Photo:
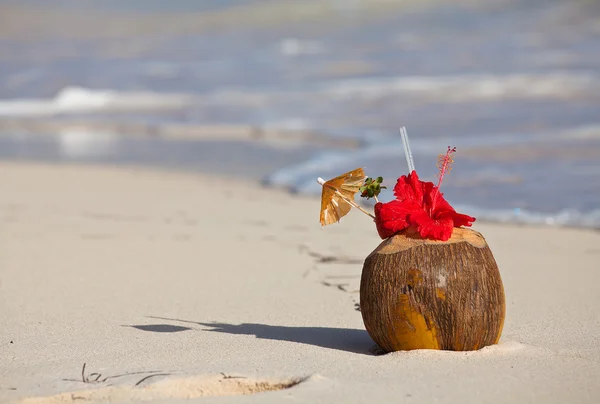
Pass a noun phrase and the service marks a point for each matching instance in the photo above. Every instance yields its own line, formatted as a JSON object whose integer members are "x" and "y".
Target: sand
{"x": 171, "y": 286}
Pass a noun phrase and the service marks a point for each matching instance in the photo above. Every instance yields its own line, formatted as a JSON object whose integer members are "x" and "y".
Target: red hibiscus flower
{"x": 391, "y": 217}
{"x": 420, "y": 204}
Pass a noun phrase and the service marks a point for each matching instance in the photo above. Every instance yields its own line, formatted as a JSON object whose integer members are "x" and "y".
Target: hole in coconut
{"x": 172, "y": 388}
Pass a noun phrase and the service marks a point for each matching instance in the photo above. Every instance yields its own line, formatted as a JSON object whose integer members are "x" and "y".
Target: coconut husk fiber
{"x": 417, "y": 293}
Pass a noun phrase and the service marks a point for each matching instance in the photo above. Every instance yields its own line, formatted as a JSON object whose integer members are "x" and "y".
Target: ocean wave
{"x": 84, "y": 100}
{"x": 502, "y": 192}
{"x": 461, "y": 88}
{"x": 563, "y": 217}
{"x": 297, "y": 178}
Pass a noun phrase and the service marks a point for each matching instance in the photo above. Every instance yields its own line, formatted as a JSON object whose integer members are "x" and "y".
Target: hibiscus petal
{"x": 462, "y": 220}
{"x": 441, "y": 207}
{"x": 390, "y": 217}
{"x": 411, "y": 188}
{"x": 418, "y": 187}
{"x": 443, "y": 210}
{"x": 437, "y": 229}
{"x": 403, "y": 189}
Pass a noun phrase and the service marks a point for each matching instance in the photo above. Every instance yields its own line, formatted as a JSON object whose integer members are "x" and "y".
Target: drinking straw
{"x": 407, "y": 152}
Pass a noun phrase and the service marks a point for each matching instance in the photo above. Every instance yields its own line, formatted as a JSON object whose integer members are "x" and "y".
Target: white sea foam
{"x": 288, "y": 177}
{"x": 564, "y": 217}
{"x": 471, "y": 87}
{"x": 291, "y": 124}
{"x": 81, "y": 143}
{"x": 297, "y": 47}
{"x": 79, "y": 100}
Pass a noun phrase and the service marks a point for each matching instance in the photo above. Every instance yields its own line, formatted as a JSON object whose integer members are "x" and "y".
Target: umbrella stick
{"x": 351, "y": 202}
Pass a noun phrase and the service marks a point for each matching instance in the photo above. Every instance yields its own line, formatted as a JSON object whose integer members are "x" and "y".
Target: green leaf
{"x": 371, "y": 188}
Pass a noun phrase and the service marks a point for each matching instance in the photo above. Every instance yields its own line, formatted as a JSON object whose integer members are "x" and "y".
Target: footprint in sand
{"x": 171, "y": 388}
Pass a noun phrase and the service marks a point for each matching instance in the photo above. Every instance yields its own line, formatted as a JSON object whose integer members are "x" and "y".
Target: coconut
{"x": 418, "y": 293}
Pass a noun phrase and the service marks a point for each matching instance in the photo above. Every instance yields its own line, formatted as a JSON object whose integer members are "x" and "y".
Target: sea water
{"x": 514, "y": 85}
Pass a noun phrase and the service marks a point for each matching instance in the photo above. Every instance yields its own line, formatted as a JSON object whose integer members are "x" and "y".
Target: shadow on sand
{"x": 342, "y": 339}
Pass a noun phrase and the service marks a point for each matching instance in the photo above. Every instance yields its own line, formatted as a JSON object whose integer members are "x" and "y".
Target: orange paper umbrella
{"x": 337, "y": 197}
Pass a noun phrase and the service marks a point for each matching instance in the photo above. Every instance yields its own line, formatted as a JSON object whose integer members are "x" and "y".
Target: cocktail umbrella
{"x": 337, "y": 197}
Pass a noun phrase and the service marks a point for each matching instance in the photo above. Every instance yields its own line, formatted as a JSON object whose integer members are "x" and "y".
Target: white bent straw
{"x": 351, "y": 202}
{"x": 407, "y": 152}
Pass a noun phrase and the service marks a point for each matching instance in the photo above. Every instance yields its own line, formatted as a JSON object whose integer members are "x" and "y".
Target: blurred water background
{"x": 285, "y": 91}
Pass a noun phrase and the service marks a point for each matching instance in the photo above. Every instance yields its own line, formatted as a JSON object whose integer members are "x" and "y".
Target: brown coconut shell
{"x": 417, "y": 293}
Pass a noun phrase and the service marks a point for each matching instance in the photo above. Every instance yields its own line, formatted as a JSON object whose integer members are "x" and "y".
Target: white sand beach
{"x": 173, "y": 286}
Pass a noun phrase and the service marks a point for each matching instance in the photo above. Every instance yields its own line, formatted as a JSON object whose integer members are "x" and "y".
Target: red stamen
{"x": 445, "y": 165}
